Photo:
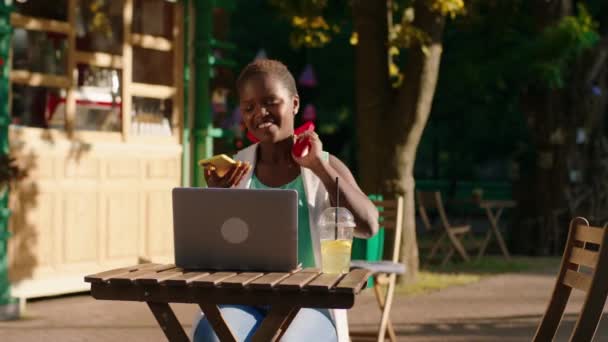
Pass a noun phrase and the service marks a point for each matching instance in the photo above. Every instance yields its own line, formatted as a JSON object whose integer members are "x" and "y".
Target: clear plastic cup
{"x": 336, "y": 239}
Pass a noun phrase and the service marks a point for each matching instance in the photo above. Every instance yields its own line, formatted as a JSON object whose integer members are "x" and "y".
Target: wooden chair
{"x": 385, "y": 272}
{"x": 585, "y": 249}
{"x": 432, "y": 200}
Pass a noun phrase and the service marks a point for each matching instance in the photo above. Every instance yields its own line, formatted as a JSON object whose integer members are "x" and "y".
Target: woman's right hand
{"x": 228, "y": 180}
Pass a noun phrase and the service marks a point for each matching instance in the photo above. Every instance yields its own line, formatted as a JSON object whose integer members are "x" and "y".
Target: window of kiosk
{"x": 34, "y": 107}
{"x": 153, "y": 67}
{"x": 44, "y": 9}
{"x": 98, "y": 102}
{"x": 40, "y": 52}
{"x": 153, "y": 49}
{"x": 151, "y": 117}
{"x": 100, "y": 26}
{"x": 153, "y": 18}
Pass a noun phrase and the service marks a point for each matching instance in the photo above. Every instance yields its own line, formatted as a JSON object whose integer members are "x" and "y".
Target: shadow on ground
{"x": 508, "y": 328}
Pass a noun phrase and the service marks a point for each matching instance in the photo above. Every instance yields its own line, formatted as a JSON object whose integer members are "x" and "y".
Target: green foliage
{"x": 598, "y": 9}
{"x": 559, "y": 45}
{"x": 520, "y": 55}
{"x": 490, "y": 55}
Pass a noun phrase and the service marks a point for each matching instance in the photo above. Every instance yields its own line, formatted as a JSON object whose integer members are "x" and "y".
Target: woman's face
{"x": 268, "y": 108}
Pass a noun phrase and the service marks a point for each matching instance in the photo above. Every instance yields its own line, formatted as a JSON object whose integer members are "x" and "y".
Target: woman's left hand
{"x": 314, "y": 157}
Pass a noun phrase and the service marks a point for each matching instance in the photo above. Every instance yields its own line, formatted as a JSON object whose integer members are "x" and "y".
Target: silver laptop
{"x": 235, "y": 229}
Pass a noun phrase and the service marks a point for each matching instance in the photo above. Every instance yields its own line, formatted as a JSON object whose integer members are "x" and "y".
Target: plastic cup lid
{"x": 345, "y": 217}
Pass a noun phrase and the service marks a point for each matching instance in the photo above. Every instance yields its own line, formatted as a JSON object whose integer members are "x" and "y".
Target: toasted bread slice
{"x": 221, "y": 163}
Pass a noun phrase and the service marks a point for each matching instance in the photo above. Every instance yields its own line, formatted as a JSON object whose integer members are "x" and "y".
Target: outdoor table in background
{"x": 285, "y": 293}
{"x": 494, "y": 209}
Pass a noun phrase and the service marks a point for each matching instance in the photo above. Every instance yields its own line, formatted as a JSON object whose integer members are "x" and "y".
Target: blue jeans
{"x": 309, "y": 325}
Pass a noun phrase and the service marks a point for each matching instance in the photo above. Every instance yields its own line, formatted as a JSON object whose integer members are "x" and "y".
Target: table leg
{"x": 215, "y": 318}
{"x": 168, "y": 322}
{"x": 485, "y": 244}
{"x": 494, "y": 218}
{"x": 287, "y": 322}
{"x": 275, "y": 324}
{"x": 501, "y": 241}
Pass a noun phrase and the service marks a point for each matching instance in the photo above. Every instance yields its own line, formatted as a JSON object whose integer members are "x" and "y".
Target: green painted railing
{"x": 5, "y": 43}
{"x": 202, "y": 131}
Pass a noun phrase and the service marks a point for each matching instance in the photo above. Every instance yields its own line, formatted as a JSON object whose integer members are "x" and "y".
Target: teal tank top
{"x": 305, "y": 250}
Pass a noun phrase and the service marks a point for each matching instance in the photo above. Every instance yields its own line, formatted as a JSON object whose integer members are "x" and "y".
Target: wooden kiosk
{"x": 101, "y": 167}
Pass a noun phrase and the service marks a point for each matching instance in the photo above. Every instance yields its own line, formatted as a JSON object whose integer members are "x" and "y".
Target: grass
{"x": 431, "y": 281}
{"x": 498, "y": 265}
{"x": 435, "y": 278}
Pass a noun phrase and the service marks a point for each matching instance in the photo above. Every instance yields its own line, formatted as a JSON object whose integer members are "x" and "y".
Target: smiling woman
{"x": 269, "y": 102}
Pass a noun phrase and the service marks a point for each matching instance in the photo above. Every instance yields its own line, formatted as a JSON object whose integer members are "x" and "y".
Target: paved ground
{"x": 498, "y": 308}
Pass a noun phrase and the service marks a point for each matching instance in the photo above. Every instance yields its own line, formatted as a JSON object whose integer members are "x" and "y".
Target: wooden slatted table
{"x": 285, "y": 293}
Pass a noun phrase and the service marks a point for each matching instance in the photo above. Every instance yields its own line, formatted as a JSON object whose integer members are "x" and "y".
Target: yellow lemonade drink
{"x": 336, "y": 255}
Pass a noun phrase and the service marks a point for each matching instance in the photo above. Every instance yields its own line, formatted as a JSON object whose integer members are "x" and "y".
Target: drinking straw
{"x": 337, "y": 204}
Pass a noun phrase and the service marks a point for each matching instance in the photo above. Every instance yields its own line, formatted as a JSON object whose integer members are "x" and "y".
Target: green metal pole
{"x": 203, "y": 125}
{"x": 186, "y": 151}
{"x": 8, "y": 304}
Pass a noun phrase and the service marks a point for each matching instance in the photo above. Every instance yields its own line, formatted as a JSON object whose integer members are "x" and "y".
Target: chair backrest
{"x": 586, "y": 250}
{"x": 431, "y": 200}
{"x": 391, "y": 217}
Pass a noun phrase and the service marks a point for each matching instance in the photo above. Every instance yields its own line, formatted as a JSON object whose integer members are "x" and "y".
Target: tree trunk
{"x": 409, "y": 117}
{"x": 543, "y": 192}
{"x": 390, "y": 123}
{"x": 539, "y": 189}
{"x": 372, "y": 88}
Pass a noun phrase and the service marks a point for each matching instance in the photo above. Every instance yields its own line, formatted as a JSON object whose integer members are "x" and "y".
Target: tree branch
{"x": 600, "y": 60}
{"x": 416, "y": 94}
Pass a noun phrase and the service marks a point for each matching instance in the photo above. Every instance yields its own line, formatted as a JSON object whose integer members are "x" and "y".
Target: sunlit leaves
{"x": 450, "y": 8}
{"x": 354, "y": 38}
{"x": 311, "y": 31}
{"x": 310, "y": 28}
{"x": 406, "y": 35}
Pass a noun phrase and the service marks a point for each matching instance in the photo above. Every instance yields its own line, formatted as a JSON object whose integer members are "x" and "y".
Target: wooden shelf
{"x": 99, "y": 59}
{"x": 37, "y": 24}
{"x": 152, "y": 91}
{"x": 151, "y": 42}
{"x": 36, "y": 79}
